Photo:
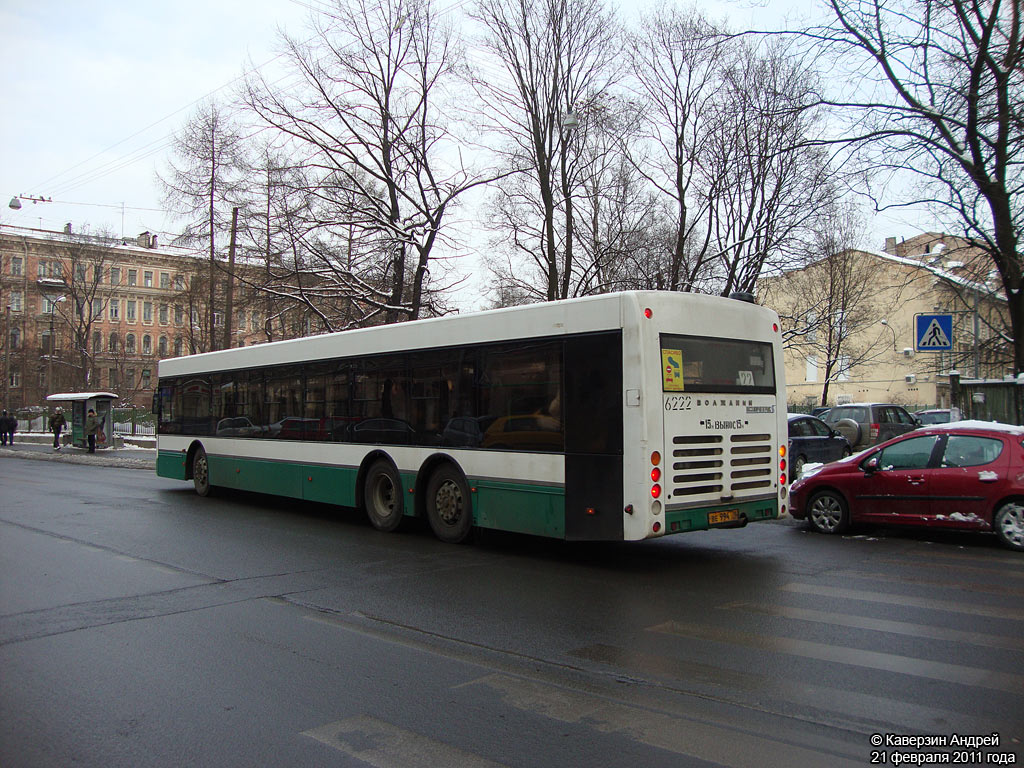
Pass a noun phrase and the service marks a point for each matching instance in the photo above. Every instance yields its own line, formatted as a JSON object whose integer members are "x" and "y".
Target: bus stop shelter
{"x": 79, "y": 404}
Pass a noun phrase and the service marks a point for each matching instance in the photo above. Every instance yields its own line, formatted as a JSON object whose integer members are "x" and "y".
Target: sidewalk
{"x": 39, "y": 447}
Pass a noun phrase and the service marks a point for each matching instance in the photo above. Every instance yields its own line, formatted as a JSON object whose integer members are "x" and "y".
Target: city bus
{"x": 623, "y": 416}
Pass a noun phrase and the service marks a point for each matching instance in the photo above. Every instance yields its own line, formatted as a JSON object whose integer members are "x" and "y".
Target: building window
{"x": 146, "y": 381}
{"x": 112, "y": 345}
{"x": 179, "y": 283}
{"x": 97, "y": 273}
{"x": 130, "y": 313}
{"x": 80, "y": 272}
{"x": 811, "y": 373}
{"x": 16, "y": 298}
{"x": 115, "y": 310}
{"x": 15, "y": 338}
{"x": 218, "y": 319}
{"x": 97, "y": 308}
{"x": 161, "y": 346}
{"x": 57, "y": 269}
{"x": 129, "y": 343}
{"x": 179, "y": 314}
{"x": 112, "y": 378}
{"x": 165, "y": 281}
{"x": 133, "y": 277}
{"x": 15, "y": 379}
{"x": 163, "y": 314}
{"x": 115, "y": 275}
{"x": 179, "y": 346}
{"x": 46, "y": 343}
{"x": 147, "y": 345}
{"x": 147, "y": 311}
{"x": 129, "y": 377}
{"x": 50, "y": 304}
{"x": 97, "y": 341}
{"x": 147, "y": 279}
{"x": 42, "y": 270}
{"x": 16, "y": 266}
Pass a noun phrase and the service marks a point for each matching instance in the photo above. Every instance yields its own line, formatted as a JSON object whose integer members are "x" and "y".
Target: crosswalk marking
{"x": 953, "y": 606}
{"x": 880, "y": 625}
{"x": 888, "y": 662}
{"x": 683, "y": 736}
{"x": 383, "y": 745}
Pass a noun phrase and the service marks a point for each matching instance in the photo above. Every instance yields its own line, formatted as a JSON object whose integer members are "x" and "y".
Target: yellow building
{"x": 849, "y": 323}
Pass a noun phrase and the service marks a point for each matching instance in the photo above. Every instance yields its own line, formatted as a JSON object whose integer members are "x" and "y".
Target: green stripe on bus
{"x": 696, "y": 518}
{"x": 518, "y": 507}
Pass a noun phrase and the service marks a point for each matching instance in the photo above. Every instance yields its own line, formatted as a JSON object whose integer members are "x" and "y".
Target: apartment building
{"x": 850, "y": 323}
{"x": 87, "y": 313}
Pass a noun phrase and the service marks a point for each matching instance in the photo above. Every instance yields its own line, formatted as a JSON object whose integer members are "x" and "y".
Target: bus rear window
{"x": 708, "y": 364}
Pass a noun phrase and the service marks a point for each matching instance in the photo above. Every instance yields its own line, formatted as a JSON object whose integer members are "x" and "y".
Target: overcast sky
{"x": 92, "y": 92}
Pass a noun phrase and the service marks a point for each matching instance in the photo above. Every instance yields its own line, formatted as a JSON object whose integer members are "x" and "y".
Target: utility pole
{"x": 229, "y": 300}
{"x": 7, "y": 356}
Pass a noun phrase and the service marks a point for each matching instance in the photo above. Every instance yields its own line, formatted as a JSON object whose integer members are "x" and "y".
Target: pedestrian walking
{"x": 8, "y": 424}
{"x": 92, "y": 426}
{"x": 57, "y": 424}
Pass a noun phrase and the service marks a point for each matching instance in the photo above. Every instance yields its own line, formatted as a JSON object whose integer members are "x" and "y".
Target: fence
{"x": 989, "y": 400}
{"x": 127, "y": 421}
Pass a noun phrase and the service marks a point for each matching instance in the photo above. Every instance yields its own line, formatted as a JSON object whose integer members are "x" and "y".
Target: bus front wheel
{"x": 201, "y": 472}
{"x": 449, "y": 505}
{"x": 382, "y": 494}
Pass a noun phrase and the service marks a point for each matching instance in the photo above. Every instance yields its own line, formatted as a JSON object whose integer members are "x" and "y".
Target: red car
{"x": 966, "y": 475}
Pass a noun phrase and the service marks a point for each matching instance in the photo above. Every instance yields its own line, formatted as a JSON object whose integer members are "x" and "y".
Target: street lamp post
{"x": 885, "y": 322}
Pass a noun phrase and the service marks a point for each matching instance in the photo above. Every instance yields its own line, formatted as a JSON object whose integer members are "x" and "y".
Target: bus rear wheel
{"x": 449, "y": 505}
{"x": 201, "y": 472}
{"x": 382, "y": 496}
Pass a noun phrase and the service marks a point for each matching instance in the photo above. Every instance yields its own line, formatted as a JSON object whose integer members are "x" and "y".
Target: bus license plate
{"x": 728, "y": 516}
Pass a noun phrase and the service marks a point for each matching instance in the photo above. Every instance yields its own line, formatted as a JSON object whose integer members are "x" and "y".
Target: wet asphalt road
{"x": 143, "y": 626}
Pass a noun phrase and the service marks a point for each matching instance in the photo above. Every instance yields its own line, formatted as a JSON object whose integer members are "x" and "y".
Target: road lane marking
{"x": 796, "y": 696}
{"x": 383, "y": 745}
{"x": 682, "y": 736}
{"x": 879, "y": 625}
{"x": 992, "y": 586}
{"x": 907, "y": 601}
{"x": 838, "y": 654}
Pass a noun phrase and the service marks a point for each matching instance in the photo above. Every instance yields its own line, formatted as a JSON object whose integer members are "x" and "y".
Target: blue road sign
{"x": 933, "y": 333}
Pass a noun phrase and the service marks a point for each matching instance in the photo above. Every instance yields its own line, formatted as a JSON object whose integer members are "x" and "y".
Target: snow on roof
{"x": 66, "y": 396}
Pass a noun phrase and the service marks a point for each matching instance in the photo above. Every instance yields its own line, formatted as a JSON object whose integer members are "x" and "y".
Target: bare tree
{"x": 556, "y": 57}
{"x": 829, "y": 307}
{"x": 676, "y": 60}
{"x": 942, "y": 99}
{"x": 365, "y": 113}
{"x": 205, "y": 184}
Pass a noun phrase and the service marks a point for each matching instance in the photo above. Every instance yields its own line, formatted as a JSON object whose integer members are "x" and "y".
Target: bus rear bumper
{"x": 735, "y": 515}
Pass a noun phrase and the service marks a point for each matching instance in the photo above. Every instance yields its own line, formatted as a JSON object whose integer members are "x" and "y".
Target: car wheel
{"x": 828, "y": 513}
{"x": 798, "y": 466}
{"x": 201, "y": 472}
{"x": 1009, "y": 525}
{"x": 382, "y": 496}
{"x": 449, "y": 505}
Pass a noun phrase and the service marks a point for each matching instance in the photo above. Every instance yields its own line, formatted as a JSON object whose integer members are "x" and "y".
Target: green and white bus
{"x": 624, "y": 416}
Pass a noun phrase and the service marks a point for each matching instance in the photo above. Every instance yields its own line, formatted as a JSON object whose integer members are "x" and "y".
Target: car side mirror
{"x": 871, "y": 465}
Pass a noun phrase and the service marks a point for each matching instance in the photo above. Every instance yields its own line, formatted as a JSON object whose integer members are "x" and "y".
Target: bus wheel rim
{"x": 200, "y": 470}
{"x": 448, "y": 502}
{"x": 384, "y": 494}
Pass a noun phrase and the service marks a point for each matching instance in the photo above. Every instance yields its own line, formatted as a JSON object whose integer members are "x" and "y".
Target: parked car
{"x": 938, "y": 416}
{"x": 813, "y": 441}
{"x": 966, "y": 475}
{"x": 820, "y": 411}
{"x": 868, "y": 424}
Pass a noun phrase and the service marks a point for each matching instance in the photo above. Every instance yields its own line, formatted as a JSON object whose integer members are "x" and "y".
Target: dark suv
{"x": 867, "y": 424}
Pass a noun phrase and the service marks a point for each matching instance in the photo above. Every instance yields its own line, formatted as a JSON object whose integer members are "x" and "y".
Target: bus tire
{"x": 382, "y": 496}
{"x": 201, "y": 472}
{"x": 449, "y": 505}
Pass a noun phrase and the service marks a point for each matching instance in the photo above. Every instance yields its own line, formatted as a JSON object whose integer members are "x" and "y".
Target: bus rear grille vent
{"x": 750, "y": 462}
{"x": 698, "y": 464}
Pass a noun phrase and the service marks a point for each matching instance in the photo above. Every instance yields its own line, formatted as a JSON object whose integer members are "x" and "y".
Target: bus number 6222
{"x": 678, "y": 403}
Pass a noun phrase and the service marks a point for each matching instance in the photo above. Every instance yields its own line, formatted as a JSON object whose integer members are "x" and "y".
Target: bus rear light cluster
{"x": 782, "y": 466}
{"x": 656, "y": 474}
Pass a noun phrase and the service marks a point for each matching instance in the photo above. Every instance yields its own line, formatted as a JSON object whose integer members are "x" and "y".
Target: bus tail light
{"x": 648, "y": 313}
{"x": 655, "y": 475}
{"x": 655, "y": 491}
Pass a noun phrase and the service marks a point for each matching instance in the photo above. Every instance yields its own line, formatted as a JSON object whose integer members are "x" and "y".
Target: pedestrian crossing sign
{"x": 933, "y": 333}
